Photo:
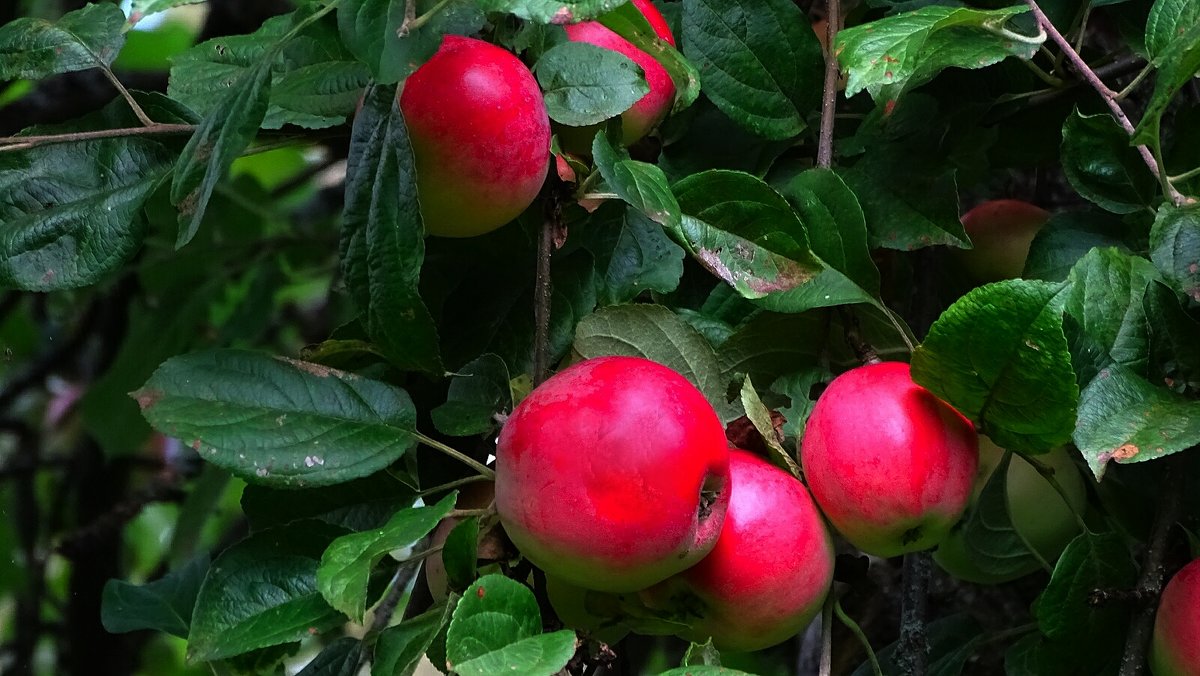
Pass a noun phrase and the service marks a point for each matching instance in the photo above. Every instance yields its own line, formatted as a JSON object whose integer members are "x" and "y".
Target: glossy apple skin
{"x": 480, "y": 137}
{"x": 771, "y": 569}
{"x": 1175, "y": 647}
{"x": 1037, "y": 511}
{"x": 651, "y": 108}
{"x": 890, "y": 464}
{"x": 599, "y": 473}
{"x": 1001, "y": 231}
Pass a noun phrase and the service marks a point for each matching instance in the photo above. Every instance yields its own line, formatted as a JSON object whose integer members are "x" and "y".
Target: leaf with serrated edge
{"x": 85, "y": 38}
{"x": 584, "y": 84}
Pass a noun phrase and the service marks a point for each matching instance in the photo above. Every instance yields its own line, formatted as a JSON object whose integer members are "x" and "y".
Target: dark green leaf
{"x": 316, "y": 95}
{"x": 632, "y": 253}
{"x": 551, "y": 11}
{"x": 263, "y": 592}
{"x": 627, "y": 21}
{"x": 1175, "y": 247}
{"x": 216, "y": 143}
{"x": 382, "y": 245}
{"x": 356, "y": 505}
{"x": 999, "y": 356}
{"x": 1067, "y": 237}
{"x": 1174, "y": 340}
{"x": 836, "y": 226}
{"x": 712, "y": 141}
{"x": 497, "y": 629}
{"x": 85, "y": 38}
{"x": 1102, "y": 166}
{"x": 477, "y": 393}
{"x": 1124, "y": 418}
{"x": 584, "y": 84}
{"x": 346, "y": 565}
{"x": 340, "y": 658}
{"x": 890, "y": 55}
{"x": 643, "y": 186}
{"x": 993, "y": 543}
{"x": 1168, "y": 21}
{"x": 906, "y": 209}
{"x": 400, "y": 648}
{"x": 371, "y": 29}
{"x": 1092, "y": 561}
{"x": 460, "y": 553}
{"x": 276, "y": 421}
{"x": 762, "y": 63}
{"x": 1179, "y": 62}
{"x": 163, "y": 605}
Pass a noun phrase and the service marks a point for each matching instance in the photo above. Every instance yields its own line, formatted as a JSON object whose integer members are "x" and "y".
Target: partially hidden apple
{"x": 769, "y": 573}
{"x": 1001, "y": 231}
{"x": 480, "y": 136}
{"x": 1175, "y": 646}
{"x": 1037, "y": 511}
{"x": 613, "y": 474}
{"x": 889, "y": 463}
{"x": 599, "y": 615}
{"x": 649, "y": 110}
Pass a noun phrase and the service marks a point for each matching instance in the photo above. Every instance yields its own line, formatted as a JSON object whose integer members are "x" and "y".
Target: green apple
{"x": 1001, "y": 231}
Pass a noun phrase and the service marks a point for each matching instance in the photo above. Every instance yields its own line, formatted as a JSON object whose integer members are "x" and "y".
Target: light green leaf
{"x": 584, "y": 84}
{"x": 497, "y": 629}
{"x": 551, "y": 11}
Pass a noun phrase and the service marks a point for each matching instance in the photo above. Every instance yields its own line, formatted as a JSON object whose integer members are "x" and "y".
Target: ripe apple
{"x": 1001, "y": 231}
{"x": 594, "y": 613}
{"x": 1037, "y": 511}
{"x": 890, "y": 464}
{"x": 651, "y": 108}
{"x": 613, "y": 474}
{"x": 770, "y": 571}
{"x": 480, "y": 137}
{"x": 472, "y": 496}
{"x": 1175, "y": 647}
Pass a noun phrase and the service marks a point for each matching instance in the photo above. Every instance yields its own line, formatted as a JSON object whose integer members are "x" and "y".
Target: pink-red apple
{"x": 480, "y": 136}
{"x": 1001, "y": 231}
{"x": 651, "y": 108}
{"x": 770, "y": 571}
{"x": 1038, "y": 513}
{"x": 1175, "y": 647}
{"x": 613, "y": 474}
{"x": 890, "y": 464}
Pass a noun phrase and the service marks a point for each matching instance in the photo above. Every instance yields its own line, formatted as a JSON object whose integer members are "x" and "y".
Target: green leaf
{"x": 906, "y": 209}
{"x": 140, "y": 9}
{"x": 1124, "y": 418}
{"x": 346, "y": 565}
{"x": 1105, "y": 303}
{"x": 1091, "y": 561}
{"x": 551, "y": 11}
{"x": 999, "y": 356}
{"x": 712, "y": 141}
{"x": 891, "y": 55}
{"x": 316, "y": 95}
{"x": 340, "y": 658}
{"x": 836, "y": 226}
{"x": 400, "y": 648}
{"x": 1175, "y": 247}
{"x": 627, "y": 21}
{"x": 162, "y": 605}
{"x": 358, "y": 505}
{"x": 263, "y": 592}
{"x": 216, "y": 143}
{"x": 656, "y": 333}
{"x": 798, "y": 387}
{"x": 1101, "y": 165}
{"x": 460, "y": 553}
{"x": 1067, "y": 237}
{"x": 371, "y": 30}
{"x": 1178, "y": 63}
{"x": 1174, "y": 340}
{"x": 382, "y": 243}
{"x": 632, "y": 253}
{"x": 85, "y": 38}
{"x": 643, "y": 186}
{"x": 1168, "y": 21}
{"x": 277, "y": 421}
{"x": 584, "y": 84}
{"x": 761, "y": 61}
{"x": 992, "y": 542}
{"x": 760, "y": 417}
{"x": 478, "y": 391}
{"x": 497, "y": 629}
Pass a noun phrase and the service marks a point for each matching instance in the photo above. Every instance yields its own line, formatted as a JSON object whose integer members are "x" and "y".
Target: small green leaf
{"x": 478, "y": 391}
{"x": 497, "y": 629}
{"x": 1124, "y": 418}
{"x": 460, "y": 553}
{"x": 584, "y": 84}
{"x": 999, "y": 356}
{"x": 1101, "y": 165}
{"x": 632, "y": 253}
{"x": 1175, "y": 247}
{"x": 628, "y": 21}
{"x": 382, "y": 243}
{"x": 276, "y": 421}
{"x": 85, "y": 38}
{"x": 400, "y": 648}
{"x": 551, "y": 11}
{"x": 760, "y": 417}
{"x": 346, "y": 565}
{"x": 162, "y": 605}
{"x": 1067, "y": 237}
{"x": 836, "y": 225}
{"x": 262, "y": 592}
{"x": 643, "y": 186}
{"x": 1091, "y": 561}
{"x": 906, "y": 209}
{"x": 371, "y": 30}
{"x": 761, "y": 61}
{"x": 340, "y": 658}
{"x": 1178, "y": 63}
{"x": 1168, "y": 21}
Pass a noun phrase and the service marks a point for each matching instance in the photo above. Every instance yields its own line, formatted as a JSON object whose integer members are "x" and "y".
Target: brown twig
{"x": 23, "y": 142}
{"x": 833, "y": 11}
{"x": 865, "y": 352}
{"x": 542, "y": 291}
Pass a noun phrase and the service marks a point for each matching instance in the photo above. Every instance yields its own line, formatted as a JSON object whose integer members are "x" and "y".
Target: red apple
{"x": 1037, "y": 511}
{"x": 890, "y": 464}
{"x": 651, "y": 108}
{"x": 1001, "y": 231}
{"x": 770, "y": 571}
{"x": 1175, "y": 648}
{"x": 480, "y": 137}
{"x": 613, "y": 474}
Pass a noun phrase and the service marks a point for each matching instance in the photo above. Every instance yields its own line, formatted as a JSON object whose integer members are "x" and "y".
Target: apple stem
{"x": 1150, "y": 580}
{"x": 912, "y": 650}
{"x": 852, "y": 330}
{"x": 833, "y": 11}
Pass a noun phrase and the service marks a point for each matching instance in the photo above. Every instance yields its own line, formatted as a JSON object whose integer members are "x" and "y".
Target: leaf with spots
{"x": 279, "y": 422}
{"x": 1125, "y": 418}
{"x": 85, "y": 38}
{"x": 551, "y": 11}
{"x": 889, "y": 56}
{"x": 347, "y": 564}
{"x": 1175, "y": 248}
{"x": 1000, "y": 357}
{"x": 497, "y": 628}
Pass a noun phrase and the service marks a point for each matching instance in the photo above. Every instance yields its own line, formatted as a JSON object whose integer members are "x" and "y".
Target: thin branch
{"x": 1191, "y": 173}
{"x": 23, "y": 142}
{"x": 833, "y": 10}
{"x": 1150, "y": 580}
{"x": 413, "y": 23}
{"x": 133, "y": 104}
{"x": 441, "y": 488}
{"x": 860, "y": 635}
{"x": 850, "y": 327}
{"x": 826, "y": 668}
{"x": 541, "y": 290}
{"x": 1134, "y": 84}
{"x": 458, "y": 455}
{"x": 1109, "y": 96}
{"x": 405, "y": 571}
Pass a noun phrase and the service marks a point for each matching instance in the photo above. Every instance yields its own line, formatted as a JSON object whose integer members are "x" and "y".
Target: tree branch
{"x": 833, "y": 11}
{"x": 22, "y": 142}
{"x": 912, "y": 650}
{"x": 542, "y": 291}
